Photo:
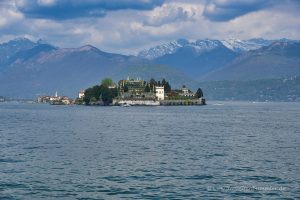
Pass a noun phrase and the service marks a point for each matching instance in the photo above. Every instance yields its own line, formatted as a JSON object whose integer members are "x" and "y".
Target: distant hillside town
{"x": 130, "y": 92}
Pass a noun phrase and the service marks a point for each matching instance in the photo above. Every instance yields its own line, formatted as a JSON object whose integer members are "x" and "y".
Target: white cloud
{"x": 172, "y": 13}
{"x": 46, "y": 2}
{"x": 9, "y": 15}
{"x": 128, "y": 31}
{"x": 266, "y": 23}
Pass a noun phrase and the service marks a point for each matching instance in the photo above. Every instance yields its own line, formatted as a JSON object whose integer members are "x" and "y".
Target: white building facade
{"x": 186, "y": 92}
{"x": 160, "y": 92}
{"x": 81, "y": 94}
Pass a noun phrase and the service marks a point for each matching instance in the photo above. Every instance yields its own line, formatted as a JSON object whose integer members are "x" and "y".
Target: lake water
{"x": 225, "y": 150}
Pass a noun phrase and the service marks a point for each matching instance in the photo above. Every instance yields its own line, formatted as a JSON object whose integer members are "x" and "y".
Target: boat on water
{"x": 57, "y": 103}
{"x": 2, "y": 99}
{"x": 125, "y": 105}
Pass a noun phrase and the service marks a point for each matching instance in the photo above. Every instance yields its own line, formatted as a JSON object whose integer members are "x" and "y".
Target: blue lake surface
{"x": 225, "y": 150}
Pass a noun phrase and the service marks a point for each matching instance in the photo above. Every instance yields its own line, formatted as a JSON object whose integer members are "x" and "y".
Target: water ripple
{"x": 232, "y": 151}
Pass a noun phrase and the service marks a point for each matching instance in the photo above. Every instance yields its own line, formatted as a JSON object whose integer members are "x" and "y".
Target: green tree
{"x": 199, "y": 93}
{"x": 163, "y": 82}
{"x": 126, "y": 88}
{"x": 88, "y": 94}
{"x": 152, "y": 83}
{"x": 93, "y": 100}
{"x": 108, "y": 94}
{"x": 103, "y": 92}
{"x": 107, "y": 82}
{"x": 147, "y": 88}
{"x": 167, "y": 87}
{"x": 96, "y": 92}
{"x": 115, "y": 92}
{"x": 78, "y": 101}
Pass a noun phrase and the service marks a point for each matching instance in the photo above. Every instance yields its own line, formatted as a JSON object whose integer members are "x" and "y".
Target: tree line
{"x": 101, "y": 92}
{"x": 152, "y": 83}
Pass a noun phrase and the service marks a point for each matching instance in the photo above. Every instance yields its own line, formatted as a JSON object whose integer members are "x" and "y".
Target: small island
{"x": 138, "y": 92}
{"x": 55, "y": 100}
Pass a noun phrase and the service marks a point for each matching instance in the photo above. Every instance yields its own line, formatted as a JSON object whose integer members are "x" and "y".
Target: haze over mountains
{"x": 200, "y": 58}
{"x": 28, "y": 68}
{"x": 274, "y": 61}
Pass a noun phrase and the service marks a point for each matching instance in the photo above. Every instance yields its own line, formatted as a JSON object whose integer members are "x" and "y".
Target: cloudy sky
{"x": 127, "y": 26}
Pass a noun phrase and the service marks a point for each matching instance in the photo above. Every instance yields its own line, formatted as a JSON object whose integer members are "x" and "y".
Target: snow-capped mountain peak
{"x": 162, "y": 49}
{"x": 205, "y": 45}
{"x": 245, "y": 45}
{"x": 200, "y": 46}
{"x": 171, "y": 47}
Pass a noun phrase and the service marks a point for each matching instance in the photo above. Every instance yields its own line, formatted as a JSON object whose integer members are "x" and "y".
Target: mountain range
{"x": 29, "y": 69}
{"x": 277, "y": 60}
{"x": 215, "y": 59}
{"x": 235, "y": 45}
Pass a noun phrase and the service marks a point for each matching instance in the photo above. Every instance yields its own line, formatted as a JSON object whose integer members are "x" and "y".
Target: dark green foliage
{"x": 147, "y": 88}
{"x": 79, "y": 101}
{"x": 102, "y": 92}
{"x": 97, "y": 91}
{"x": 199, "y": 93}
{"x": 99, "y": 94}
{"x": 152, "y": 83}
{"x": 167, "y": 87}
{"x": 108, "y": 94}
{"x": 88, "y": 94}
{"x": 126, "y": 88}
{"x": 93, "y": 100}
{"x": 115, "y": 92}
{"x": 107, "y": 82}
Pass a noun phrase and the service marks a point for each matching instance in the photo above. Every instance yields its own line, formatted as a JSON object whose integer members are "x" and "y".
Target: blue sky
{"x": 127, "y": 26}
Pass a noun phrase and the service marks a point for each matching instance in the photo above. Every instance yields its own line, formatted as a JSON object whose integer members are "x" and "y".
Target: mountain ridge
{"x": 30, "y": 68}
{"x": 44, "y": 69}
{"x": 281, "y": 58}
{"x": 197, "y": 62}
{"x": 235, "y": 45}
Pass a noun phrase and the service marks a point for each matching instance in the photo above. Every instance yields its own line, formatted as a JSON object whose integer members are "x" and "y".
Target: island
{"x": 138, "y": 92}
{"x": 55, "y": 100}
